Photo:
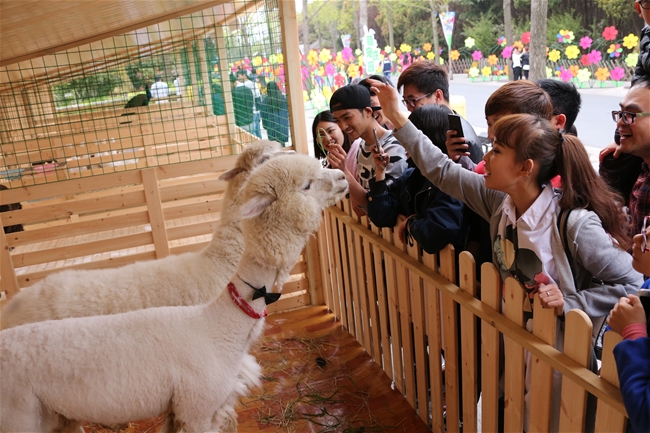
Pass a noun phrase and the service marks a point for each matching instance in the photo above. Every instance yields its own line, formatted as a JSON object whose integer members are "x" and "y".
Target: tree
{"x": 538, "y": 15}
{"x": 305, "y": 26}
{"x": 507, "y": 21}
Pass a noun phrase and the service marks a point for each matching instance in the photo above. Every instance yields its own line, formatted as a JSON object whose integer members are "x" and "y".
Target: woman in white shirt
{"x": 516, "y": 63}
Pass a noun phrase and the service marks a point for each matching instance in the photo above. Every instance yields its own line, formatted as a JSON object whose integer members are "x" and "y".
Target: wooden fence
{"x": 405, "y": 309}
{"x": 119, "y": 218}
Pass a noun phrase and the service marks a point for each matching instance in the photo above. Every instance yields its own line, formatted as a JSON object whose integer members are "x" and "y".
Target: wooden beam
{"x": 292, "y": 70}
{"x": 118, "y": 31}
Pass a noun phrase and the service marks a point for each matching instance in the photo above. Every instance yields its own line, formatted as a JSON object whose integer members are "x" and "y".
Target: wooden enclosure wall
{"x": 405, "y": 309}
{"x": 113, "y": 139}
{"x": 119, "y": 218}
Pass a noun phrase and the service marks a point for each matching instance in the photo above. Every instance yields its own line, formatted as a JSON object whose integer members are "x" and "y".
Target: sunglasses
{"x": 411, "y": 102}
{"x": 644, "y": 244}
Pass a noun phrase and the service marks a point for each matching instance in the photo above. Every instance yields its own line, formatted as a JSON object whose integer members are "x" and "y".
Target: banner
{"x": 447, "y": 21}
{"x": 346, "y": 39}
{"x": 371, "y": 53}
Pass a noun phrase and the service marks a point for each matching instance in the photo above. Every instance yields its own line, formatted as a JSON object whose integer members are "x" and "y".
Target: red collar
{"x": 245, "y": 307}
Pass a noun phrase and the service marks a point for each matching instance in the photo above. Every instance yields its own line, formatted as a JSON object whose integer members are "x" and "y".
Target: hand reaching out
{"x": 337, "y": 156}
{"x": 628, "y": 311}
{"x": 381, "y": 161}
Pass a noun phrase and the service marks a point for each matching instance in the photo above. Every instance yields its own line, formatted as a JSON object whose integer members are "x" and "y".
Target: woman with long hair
{"x": 516, "y": 197}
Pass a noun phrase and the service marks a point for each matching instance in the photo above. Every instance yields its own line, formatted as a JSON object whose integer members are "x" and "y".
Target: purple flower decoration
{"x": 330, "y": 69}
{"x": 477, "y": 55}
{"x": 347, "y": 54}
{"x": 595, "y": 56}
{"x": 565, "y": 74}
{"x": 507, "y": 52}
{"x": 617, "y": 73}
{"x": 585, "y": 42}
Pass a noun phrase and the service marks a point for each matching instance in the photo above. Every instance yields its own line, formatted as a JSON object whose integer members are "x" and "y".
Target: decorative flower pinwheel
{"x": 431, "y": 55}
{"x": 486, "y": 71}
{"x": 614, "y": 50}
{"x": 565, "y": 36}
{"x": 595, "y": 56}
{"x": 325, "y": 55}
{"x": 566, "y": 75}
{"x": 501, "y": 41}
{"x": 477, "y": 55}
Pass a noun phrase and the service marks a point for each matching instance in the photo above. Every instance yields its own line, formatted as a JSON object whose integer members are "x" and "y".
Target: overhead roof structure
{"x": 36, "y": 35}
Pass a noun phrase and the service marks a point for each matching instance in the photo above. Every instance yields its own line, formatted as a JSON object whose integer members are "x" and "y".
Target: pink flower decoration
{"x": 347, "y": 54}
{"x": 585, "y": 42}
{"x": 610, "y": 33}
{"x": 330, "y": 69}
{"x": 585, "y": 60}
{"x": 507, "y": 52}
{"x": 617, "y": 73}
{"x": 595, "y": 56}
{"x": 477, "y": 55}
{"x": 525, "y": 37}
{"x": 565, "y": 74}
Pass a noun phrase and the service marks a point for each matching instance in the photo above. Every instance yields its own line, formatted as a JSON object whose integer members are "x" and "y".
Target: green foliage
{"x": 565, "y": 21}
{"x": 485, "y": 32}
{"x": 477, "y": 9}
{"x": 615, "y": 9}
{"x": 91, "y": 87}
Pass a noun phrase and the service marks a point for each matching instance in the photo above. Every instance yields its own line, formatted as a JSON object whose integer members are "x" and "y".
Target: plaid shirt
{"x": 640, "y": 199}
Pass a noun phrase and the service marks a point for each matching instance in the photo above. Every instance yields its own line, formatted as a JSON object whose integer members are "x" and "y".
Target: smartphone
{"x": 455, "y": 124}
{"x": 644, "y": 296}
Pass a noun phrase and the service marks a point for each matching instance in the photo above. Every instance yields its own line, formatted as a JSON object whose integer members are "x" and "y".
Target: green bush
{"x": 565, "y": 21}
{"x": 485, "y": 32}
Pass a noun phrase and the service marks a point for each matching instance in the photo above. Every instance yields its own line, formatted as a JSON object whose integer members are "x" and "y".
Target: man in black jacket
{"x": 425, "y": 83}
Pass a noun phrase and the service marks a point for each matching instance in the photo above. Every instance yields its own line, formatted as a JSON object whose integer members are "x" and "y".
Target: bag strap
{"x": 562, "y": 226}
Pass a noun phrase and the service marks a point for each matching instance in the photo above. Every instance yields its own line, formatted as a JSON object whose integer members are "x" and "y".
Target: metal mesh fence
{"x": 191, "y": 88}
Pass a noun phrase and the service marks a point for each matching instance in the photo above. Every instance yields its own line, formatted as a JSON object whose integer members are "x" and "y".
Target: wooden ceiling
{"x": 46, "y": 41}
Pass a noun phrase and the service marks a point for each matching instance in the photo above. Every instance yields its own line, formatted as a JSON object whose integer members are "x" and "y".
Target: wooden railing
{"x": 116, "y": 219}
{"x": 405, "y": 308}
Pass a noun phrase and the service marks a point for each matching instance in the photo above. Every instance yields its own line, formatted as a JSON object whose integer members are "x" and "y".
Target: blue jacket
{"x": 439, "y": 217}
{"x": 633, "y": 364}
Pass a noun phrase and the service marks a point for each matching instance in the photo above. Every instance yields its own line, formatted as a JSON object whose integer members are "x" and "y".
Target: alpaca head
{"x": 283, "y": 201}
{"x": 253, "y": 155}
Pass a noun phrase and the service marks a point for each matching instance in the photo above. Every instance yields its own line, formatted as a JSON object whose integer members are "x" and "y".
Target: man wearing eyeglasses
{"x": 633, "y": 124}
{"x": 425, "y": 83}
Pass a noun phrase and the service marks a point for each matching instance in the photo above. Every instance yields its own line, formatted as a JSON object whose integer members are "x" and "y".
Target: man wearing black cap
{"x": 353, "y": 112}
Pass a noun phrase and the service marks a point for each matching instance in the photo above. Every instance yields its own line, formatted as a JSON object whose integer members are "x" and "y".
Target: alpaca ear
{"x": 228, "y": 175}
{"x": 256, "y": 206}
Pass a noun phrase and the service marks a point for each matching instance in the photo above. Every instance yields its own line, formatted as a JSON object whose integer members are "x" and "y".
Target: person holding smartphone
{"x": 630, "y": 319}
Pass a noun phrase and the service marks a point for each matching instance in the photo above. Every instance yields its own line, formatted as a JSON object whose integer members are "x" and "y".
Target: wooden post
{"x": 220, "y": 39}
{"x": 205, "y": 78}
{"x": 9, "y": 280}
{"x": 154, "y": 207}
{"x": 179, "y": 72}
{"x": 291, "y": 50}
{"x": 190, "y": 59}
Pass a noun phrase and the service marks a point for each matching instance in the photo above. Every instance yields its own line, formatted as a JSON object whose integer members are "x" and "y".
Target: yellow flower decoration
{"x": 549, "y": 72}
{"x": 305, "y": 96}
{"x": 470, "y": 42}
{"x": 474, "y": 64}
{"x": 405, "y": 48}
{"x": 312, "y": 57}
{"x": 486, "y": 71}
{"x": 388, "y": 48}
{"x": 430, "y": 55}
{"x": 325, "y": 55}
{"x": 257, "y": 61}
{"x": 427, "y": 47}
{"x": 554, "y": 55}
{"x": 630, "y": 41}
{"x": 602, "y": 74}
{"x": 572, "y": 52}
{"x": 320, "y": 71}
{"x": 353, "y": 70}
{"x": 473, "y": 72}
{"x": 327, "y": 92}
{"x": 519, "y": 45}
{"x": 632, "y": 59}
{"x": 583, "y": 75}
{"x": 392, "y": 57}
{"x": 455, "y": 55}
{"x": 492, "y": 59}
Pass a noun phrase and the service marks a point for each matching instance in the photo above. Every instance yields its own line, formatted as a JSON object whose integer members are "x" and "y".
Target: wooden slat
{"x": 382, "y": 305}
{"x": 371, "y": 285}
{"x": 85, "y": 249}
{"x": 450, "y": 340}
{"x": 293, "y": 76}
{"x": 393, "y": 313}
{"x": 185, "y": 209}
{"x": 578, "y": 331}
{"x": 469, "y": 344}
{"x": 337, "y": 276}
{"x": 544, "y": 327}
{"x": 514, "y": 358}
{"x": 313, "y": 271}
{"x": 608, "y": 419}
{"x": 362, "y": 301}
{"x": 9, "y": 282}
{"x": 156, "y": 218}
{"x": 405, "y": 321}
{"x": 490, "y": 343}
{"x": 353, "y": 267}
{"x": 326, "y": 258}
{"x": 346, "y": 304}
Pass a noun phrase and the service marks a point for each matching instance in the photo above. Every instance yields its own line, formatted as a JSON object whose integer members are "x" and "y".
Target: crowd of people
{"x": 533, "y": 204}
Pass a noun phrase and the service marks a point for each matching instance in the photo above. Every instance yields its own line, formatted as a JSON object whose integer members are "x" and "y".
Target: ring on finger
{"x": 548, "y": 294}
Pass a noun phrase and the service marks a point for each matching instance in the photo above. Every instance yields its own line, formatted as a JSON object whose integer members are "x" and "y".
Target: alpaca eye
{"x": 263, "y": 160}
{"x": 308, "y": 186}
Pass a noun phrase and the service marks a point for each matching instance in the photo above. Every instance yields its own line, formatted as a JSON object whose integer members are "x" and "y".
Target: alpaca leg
{"x": 25, "y": 416}
{"x": 171, "y": 425}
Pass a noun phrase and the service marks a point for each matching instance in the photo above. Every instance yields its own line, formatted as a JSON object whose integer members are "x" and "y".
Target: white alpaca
{"x": 185, "y": 279}
{"x": 193, "y": 360}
